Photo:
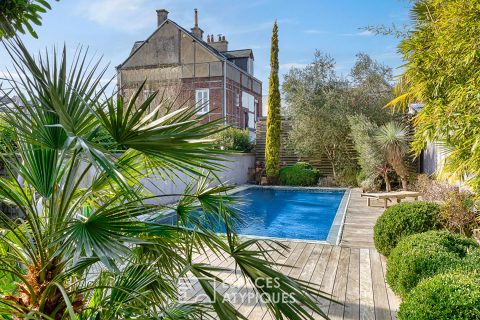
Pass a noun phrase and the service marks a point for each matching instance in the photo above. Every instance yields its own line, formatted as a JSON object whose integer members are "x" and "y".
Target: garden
{"x": 93, "y": 246}
{"x": 432, "y": 247}
{"x": 365, "y": 131}
{"x": 82, "y": 238}
{"x": 433, "y": 254}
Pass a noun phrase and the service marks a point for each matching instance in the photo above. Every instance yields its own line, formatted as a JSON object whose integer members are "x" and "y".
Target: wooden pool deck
{"x": 353, "y": 272}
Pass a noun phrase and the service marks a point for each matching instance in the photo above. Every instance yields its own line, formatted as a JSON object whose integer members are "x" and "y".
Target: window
{"x": 248, "y": 101}
{"x": 237, "y": 100}
{"x": 202, "y": 97}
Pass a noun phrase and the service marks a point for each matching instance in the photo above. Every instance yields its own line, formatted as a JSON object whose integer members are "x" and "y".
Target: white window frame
{"x": 202, "y": 99}
{"x": 237, "y": 99}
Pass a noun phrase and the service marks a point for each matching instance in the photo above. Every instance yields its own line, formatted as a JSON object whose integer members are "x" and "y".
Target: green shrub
{"x": 347, "y": 176}
{"x": 234, "y": 139}
{"x": 470, "y": 263}
{"x": 402, "y": 220}
{"x": 445, "y": 296}
{"x": 303, "y": 165}
{"x": 361, "y": 176}
{"x": 423, "y": 255}
{"x": 300, "y": 174}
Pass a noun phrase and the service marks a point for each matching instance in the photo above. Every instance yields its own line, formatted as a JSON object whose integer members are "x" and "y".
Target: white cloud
{"x": 124, "y": 15}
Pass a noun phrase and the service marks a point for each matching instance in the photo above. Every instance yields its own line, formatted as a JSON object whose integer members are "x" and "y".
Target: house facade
{"x": 185, "y": 67}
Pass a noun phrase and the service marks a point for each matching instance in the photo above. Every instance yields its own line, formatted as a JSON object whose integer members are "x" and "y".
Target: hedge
{"x": 234, "y": 139}
{"x": 448, "y": 296}
{"x": 404, "y": 219}
{"x": 423, "y": 255}
{"x": 300, "y": 174}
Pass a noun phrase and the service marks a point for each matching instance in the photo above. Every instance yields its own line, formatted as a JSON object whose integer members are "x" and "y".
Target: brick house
{"x": 180, "y": 64}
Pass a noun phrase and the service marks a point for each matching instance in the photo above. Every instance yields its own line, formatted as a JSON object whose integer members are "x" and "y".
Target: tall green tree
{"x": 320, "y": 101}
{"x": 442, "y": 70}
{"x": 21, "y": 16}
{"x": 371, "y": 89}
{"x": 97, "y": 248}
{"x": 272, "y": 144}
{"x": 317, "y": 106}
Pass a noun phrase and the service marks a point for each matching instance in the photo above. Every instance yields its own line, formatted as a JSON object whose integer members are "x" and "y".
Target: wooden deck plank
{"x": 287, "y": 269}
{"x": 336, "y": 310}
{"x": 329, "y": 279}
{"x": 266, "y": 315}
{"x": 393, "y": 300}
{"x": 218, "y": 261}
{"x": 260, "y": 308}
{"x": 367, "y": 308}
{"x": 359, "y": 222}
{"x": 260, "y": 311}
{"x": 293, "y": 257}
{"x": 382, "y": 309}
{"x": 352, "y": 297}
{"x": 354, "y": 277}
{"x": 307, "y": 272}
{"x": 297, "y": 265}
{"x": 302, "y": 260}
{"x": 321, "y": 266}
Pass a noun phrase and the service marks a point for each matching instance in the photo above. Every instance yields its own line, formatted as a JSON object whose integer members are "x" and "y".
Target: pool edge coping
{"x": 339, "y": 220}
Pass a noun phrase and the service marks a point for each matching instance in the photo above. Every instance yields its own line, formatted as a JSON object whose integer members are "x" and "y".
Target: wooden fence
{"x": 287, "y": 154}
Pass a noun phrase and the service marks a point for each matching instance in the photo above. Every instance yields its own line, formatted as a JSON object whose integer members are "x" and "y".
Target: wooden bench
{"x": 390, "y": 196}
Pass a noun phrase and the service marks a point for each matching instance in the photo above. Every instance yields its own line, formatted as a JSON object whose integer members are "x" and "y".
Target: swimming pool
{"x": 292, "y": 213}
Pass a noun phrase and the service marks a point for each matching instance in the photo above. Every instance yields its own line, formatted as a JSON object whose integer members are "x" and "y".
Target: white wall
{"x": 432, "y": 158}
{"x": 236, "y": 172}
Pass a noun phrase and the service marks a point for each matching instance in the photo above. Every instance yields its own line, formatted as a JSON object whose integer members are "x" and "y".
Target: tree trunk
{"x": 334, "y": 170}
{"x": 331, "y": 157}
{"x": 387, "y": 182}
{"x": 404, "y": 182}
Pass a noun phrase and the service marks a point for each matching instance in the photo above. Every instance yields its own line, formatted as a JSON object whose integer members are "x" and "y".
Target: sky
{"x": 336, "y": 27}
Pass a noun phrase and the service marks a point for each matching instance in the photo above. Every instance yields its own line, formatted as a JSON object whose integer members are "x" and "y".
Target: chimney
{"x": 197, "y": 32}
{"x": 162, "y": 16}
{"x": 220, "y": 45}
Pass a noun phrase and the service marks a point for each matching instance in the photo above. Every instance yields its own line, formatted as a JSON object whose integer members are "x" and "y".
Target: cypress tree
{"x": 272, "y": 144}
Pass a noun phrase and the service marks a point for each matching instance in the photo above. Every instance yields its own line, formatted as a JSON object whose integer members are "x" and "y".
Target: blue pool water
{"x": 288, "y": 213}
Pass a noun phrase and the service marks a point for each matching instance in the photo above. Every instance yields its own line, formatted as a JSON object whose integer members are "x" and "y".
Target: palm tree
{"x": 393, "y": 139}
{"x": 95, "y": 248}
